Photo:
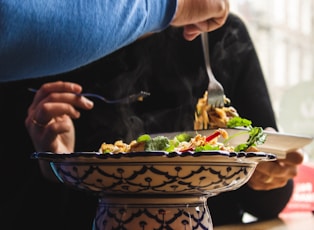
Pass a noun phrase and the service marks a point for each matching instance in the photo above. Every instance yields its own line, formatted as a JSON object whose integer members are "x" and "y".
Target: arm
{"x": 40, "y": 38}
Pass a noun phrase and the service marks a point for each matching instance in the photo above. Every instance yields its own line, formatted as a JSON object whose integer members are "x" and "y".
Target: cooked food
{"x": 207, "y": 117}
{"x": 185, "y": 142}
{"x": 180, "y": 143}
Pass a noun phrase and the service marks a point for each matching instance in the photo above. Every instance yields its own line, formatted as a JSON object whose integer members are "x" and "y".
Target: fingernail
{"x": 88, "y": 103}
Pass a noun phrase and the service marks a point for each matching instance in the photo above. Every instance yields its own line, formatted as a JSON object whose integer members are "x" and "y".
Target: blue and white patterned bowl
{"x": 154, "y": 172}
{"x": 154, "y": 190}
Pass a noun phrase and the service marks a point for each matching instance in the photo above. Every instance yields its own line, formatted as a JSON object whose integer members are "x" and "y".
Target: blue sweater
{"x": 39, "y": 38}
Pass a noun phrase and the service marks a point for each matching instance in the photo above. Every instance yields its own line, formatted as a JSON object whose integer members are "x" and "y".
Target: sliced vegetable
{"x": 187, "y": 142}
{"x": 143, "y": 138}
{"x": 183, "y": 137}
{"x": 212, "y": 136}
{"x": 206, "y": 148}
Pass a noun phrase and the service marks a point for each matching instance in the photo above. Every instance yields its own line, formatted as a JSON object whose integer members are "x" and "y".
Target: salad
{"x": 186, "y": 142}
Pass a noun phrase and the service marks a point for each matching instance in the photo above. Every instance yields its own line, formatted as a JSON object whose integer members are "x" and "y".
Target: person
{"x": 45, "y": 38}
{"x": 172, "y": 70}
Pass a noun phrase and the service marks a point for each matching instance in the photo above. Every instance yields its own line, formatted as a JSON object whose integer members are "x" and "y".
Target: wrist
{"x": 177, "y": 16}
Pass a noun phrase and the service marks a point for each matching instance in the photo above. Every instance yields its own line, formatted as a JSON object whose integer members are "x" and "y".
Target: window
{"x": 283, "y": 33}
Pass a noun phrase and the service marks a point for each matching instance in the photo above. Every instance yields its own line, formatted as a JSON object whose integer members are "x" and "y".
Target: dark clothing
{"x": 172, "y": 70}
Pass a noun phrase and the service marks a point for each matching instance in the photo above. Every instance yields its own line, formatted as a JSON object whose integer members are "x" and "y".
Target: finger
{"x": 261, "y": 181}
{"x": 294, "y": 158}
{"x": 54, "y": 105}
{"x": 56, "y": 102}
{"x": 275, "y": 169}
{"x": 268, "y": 168}
{"x": 69, "y": 98}
{"x": 49, "y": 111}
{"x": 51, "y": 87}
{"x": 209, "y": 25}
{"x": 266, "y": 183}
{"x": 190, "y": 32}
{"x": 39, "y": 124}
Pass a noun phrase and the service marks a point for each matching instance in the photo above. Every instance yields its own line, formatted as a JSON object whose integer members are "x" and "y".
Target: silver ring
{"x": 36, "y": 123}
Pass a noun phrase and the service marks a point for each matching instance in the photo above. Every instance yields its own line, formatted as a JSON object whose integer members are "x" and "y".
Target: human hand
{"x": 199, "y": 16}
{"x": 275, "y": 174}
{"x": 49, "y": 119}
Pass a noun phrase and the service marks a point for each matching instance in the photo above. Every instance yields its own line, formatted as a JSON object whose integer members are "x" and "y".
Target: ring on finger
{"x": 41, "y": 125}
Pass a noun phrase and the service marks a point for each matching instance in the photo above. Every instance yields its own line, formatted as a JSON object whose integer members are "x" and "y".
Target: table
{"x": 286, "y": 221}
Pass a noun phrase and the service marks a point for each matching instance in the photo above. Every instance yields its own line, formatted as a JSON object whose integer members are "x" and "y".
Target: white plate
{"x": 276, "y": 143}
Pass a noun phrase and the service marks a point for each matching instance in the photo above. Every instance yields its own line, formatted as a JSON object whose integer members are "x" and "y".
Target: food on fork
{"x": 207, "y": 116}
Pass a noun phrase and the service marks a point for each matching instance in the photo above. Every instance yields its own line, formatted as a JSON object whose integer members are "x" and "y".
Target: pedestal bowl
{"x": 154, "y": 190}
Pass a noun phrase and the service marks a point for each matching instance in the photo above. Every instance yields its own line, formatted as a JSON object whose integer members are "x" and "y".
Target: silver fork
{"x": 129, "y": 99}
{"x": 216, "y": 95}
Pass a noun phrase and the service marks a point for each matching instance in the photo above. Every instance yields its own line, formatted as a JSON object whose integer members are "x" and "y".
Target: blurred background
{"x": 283, "y": 34}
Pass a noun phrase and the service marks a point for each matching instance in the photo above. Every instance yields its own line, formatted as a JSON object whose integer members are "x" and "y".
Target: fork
{"x": 216, "y": 95}
{"x": 129, "y": 99}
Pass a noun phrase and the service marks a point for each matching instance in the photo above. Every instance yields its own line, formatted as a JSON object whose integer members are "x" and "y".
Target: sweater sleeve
{"x": 39, "y": 38}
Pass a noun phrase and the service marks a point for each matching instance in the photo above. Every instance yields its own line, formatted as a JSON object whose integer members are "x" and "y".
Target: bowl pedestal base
{"x": 153, "y": 212}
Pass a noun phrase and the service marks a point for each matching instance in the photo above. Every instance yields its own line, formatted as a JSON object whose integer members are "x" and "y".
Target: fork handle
{"x": 205, "y": 47}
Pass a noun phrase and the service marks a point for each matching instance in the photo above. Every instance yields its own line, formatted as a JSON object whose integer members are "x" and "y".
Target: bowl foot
{"x": 148, "y": 213}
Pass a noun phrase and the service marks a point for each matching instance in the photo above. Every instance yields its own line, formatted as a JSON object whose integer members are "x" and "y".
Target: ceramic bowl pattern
{"x": 155, "y": 172}
{"x": 154, "y": 190}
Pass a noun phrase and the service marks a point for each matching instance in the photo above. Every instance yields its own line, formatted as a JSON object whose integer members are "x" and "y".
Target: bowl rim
{"x": 155, "y": 157}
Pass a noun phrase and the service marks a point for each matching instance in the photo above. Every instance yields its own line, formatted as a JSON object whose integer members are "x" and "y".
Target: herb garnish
{"x": 256, "y": 134}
